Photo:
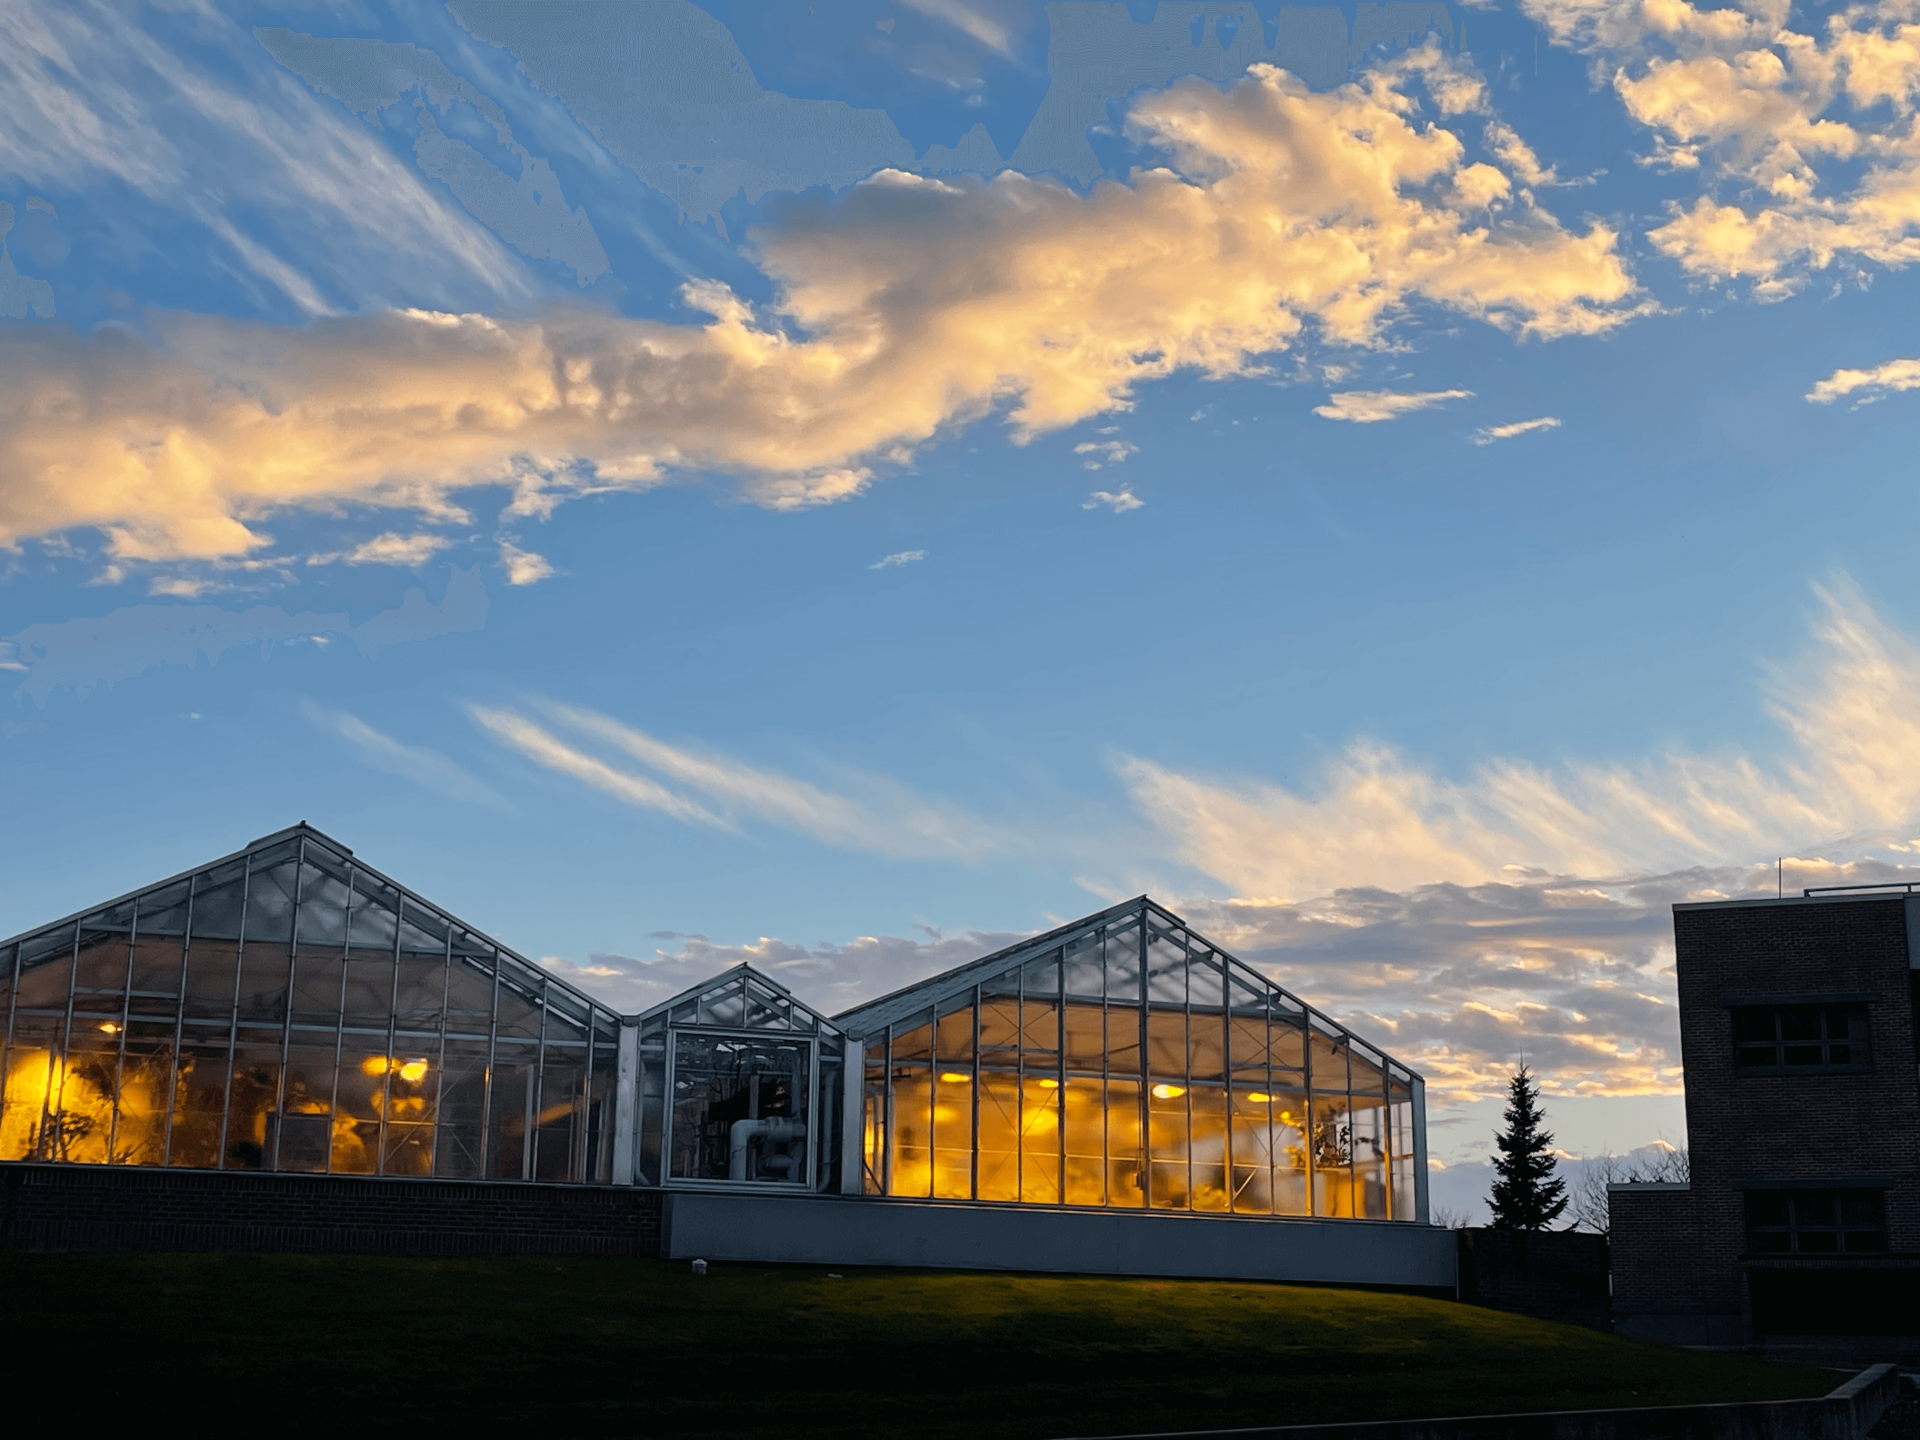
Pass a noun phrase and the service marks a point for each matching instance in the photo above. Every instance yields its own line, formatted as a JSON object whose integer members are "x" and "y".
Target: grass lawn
{"x": 643, "y": 1347}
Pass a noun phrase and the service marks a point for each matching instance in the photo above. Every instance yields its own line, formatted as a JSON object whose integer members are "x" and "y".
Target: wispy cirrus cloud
{"x": 1370, "y": 407}
{"x": 1488, "y": 434}
{"x": 181, "y": 439}
{"x": 873, "y": 815}
{"x": 544, "y": 748}
{"x": 897, "y": 559}
{"x": 423, "y": 767}
{"x": 1882, "y": 380}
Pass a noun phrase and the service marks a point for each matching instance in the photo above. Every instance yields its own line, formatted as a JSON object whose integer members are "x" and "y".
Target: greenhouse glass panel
{"x": 200, "y": 1084}
{"x": 1097, "y": 1080}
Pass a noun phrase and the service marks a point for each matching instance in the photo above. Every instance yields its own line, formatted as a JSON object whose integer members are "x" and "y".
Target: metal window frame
{"x": 810, "y": 1040}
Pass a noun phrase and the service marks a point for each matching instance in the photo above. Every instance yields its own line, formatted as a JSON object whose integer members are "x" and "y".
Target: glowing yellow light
{"x": 1168, "y": 1092}
{"x": 1259, "y": 1097}
{"x": 1049, "y": 1084}
{"x": 109, "y": 1027}
{"x": 413, "y": 1071}
{"x": 374, "y": 1064}
{"x": 954, "y": 1077}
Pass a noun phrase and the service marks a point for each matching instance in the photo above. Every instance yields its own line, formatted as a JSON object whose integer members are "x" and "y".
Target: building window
{"x": 1800, "y": 1037}
{"x": 1816, "y": 1222}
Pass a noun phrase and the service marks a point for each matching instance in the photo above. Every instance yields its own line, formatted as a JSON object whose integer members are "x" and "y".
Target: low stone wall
{"x": 1846, "y": 1414}
{"x": 1549, "y": 1274}
{"x": 94, "y": 1207}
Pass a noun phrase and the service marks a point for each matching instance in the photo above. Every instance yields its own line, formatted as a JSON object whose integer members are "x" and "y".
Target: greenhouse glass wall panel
{"x": 1125, "y": 1061}
{"x": 289, "y": 1009}
{"x": 739, "y": 1084}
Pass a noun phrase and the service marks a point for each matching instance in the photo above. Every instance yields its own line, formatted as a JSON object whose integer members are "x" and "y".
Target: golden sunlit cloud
{"x": 902, "y": 308}
{"x": 1818, "y": 130}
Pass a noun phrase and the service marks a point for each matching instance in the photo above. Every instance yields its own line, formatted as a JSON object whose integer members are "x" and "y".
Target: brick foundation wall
{"x": 90, "y": 1207}
{"x": 1549, "y": 1274}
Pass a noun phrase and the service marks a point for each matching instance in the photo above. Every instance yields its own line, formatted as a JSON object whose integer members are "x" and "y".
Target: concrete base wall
{"x": 855, "y": 1230}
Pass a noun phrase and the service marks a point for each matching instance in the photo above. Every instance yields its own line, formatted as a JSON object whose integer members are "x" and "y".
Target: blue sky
{"x": 1420, "y": 512}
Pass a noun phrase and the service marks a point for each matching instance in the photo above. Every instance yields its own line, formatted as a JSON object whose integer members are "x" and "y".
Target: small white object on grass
{"x": 699, "y": 1267}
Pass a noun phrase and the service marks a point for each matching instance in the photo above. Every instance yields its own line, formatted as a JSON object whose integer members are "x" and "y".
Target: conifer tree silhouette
{"x": 1526, "y": 1194}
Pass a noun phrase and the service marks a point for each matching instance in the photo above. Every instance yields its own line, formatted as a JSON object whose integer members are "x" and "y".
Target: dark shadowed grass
{"x": 638, "y": 1347}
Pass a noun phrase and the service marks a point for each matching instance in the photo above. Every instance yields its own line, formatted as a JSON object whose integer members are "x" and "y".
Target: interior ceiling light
{"x": 1168, "y": 1092}
{"x": 954, "y": 1077}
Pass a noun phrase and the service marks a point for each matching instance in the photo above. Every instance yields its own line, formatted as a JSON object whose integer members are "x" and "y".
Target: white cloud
{"x": 427, "y": 768}
{"x": 1881, "y": 380}
{"x": 1367, "y": 407}
{"x": 1121, "y": 503}
{"x": 1487, "y": 434}
{"x": 972, "y": 19}
{"x": 543, "y": 748}
{"x": 899, "y": 557}
{"x": 390, "y": 548}
{"x": 881, "y": 817}
{"x": 1274, "y": 209}
{"x": 1104, "y": 452}
{"x": 523, "y": 566}
{"x": 94, "y": 95}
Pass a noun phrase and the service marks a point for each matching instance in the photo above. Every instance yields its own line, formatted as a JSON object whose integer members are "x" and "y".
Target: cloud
{"x": 1105, "y": 452}
{"x": 543, "y": 748}
{"x": 97, "y": 94}
{"x": 1851, "y": 723}
{"x": 1367, "y": 407}
{"x": 900, "y": 309}
{"x": 427, "y": 768}
{"x": 390, "y": 548}
{"x": 1126, "y": 500}
{"x": 883, "y": 818}
{"x": 973, "y": 20}
{"x": 1486, "y": 435}
{"x": 523, "y": 566}
{"x": 1815, "y": 133}
{"x": 1881, "y": 380}
{"x": 898, "y": 558}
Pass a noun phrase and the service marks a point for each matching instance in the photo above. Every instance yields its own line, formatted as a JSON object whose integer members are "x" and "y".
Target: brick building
{"x": 1802, "y": 1218}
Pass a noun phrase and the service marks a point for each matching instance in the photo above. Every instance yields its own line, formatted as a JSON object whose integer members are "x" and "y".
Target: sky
{"x": 1418, "y": 489}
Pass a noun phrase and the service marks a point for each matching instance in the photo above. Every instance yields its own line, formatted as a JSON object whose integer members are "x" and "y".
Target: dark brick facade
{"x": 1550, "y": 1274}
{"x": 1682, "y": 1270}
{"x": 88, "y": 1207}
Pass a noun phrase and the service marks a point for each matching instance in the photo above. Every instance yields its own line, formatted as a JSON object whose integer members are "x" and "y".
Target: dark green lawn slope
{"x": 635, "y": 1347}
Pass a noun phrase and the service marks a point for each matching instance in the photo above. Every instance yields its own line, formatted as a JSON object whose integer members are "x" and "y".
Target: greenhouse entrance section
{"x": 286, "y": 1029}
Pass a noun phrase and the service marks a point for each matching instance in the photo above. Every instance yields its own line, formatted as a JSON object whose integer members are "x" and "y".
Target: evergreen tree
{"x": 1526, "y": 1194}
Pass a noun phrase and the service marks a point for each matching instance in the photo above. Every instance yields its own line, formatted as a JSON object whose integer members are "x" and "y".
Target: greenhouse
{"x": 288, "y": 1010}
{"x": 1125, "y": 1061}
